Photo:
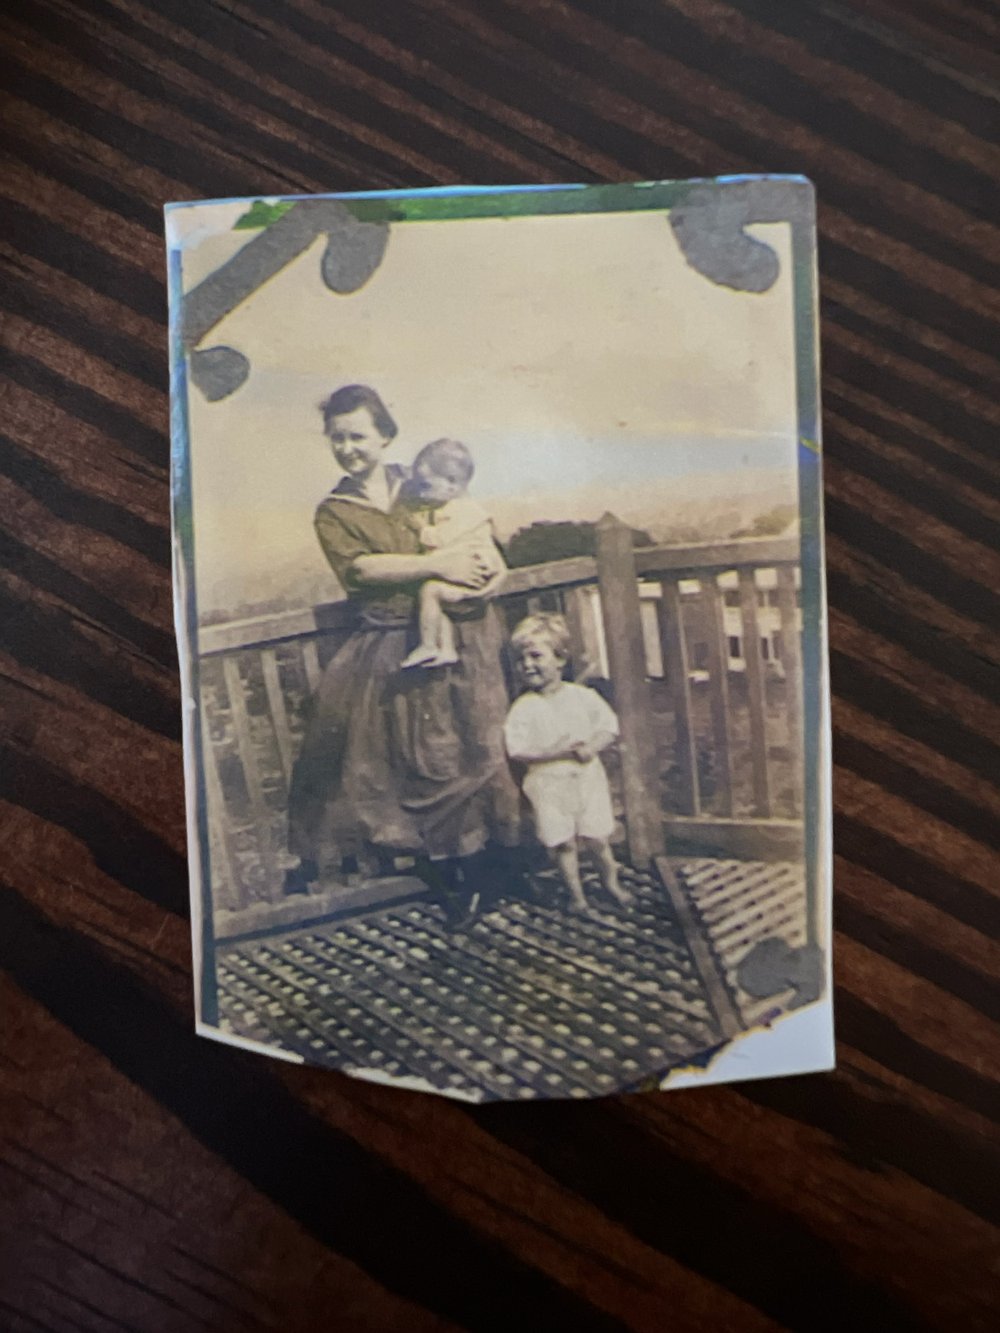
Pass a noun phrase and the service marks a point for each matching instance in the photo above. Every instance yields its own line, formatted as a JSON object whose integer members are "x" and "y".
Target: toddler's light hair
{"x": 547, "y": 626}
{"x": 453, "y": 451}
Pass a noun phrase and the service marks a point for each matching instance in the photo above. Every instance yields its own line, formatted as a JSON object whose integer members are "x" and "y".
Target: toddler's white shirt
{"x": 568, "y": 798}
{"x": 571, "y": 714}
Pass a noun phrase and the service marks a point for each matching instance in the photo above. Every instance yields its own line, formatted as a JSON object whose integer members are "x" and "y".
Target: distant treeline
{"x": 542, "y": 542}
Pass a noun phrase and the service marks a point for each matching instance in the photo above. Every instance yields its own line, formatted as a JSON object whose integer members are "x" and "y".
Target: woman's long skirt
{"x": 407, "y": 760}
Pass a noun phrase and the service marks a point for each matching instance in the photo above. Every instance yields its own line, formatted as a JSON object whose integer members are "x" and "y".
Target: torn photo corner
{"x": 498, "y": 553}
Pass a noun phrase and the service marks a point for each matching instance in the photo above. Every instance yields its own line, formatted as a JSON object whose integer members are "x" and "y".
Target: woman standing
{"x": 400, "y": 762}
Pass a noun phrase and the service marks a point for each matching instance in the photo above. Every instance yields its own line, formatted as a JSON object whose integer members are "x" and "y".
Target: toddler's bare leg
{"x": 607, "y": 868}
{"x": 568, "y": 861}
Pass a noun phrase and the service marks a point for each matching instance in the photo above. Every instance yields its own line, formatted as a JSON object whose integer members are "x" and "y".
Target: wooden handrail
{"x": 703, "y": 558}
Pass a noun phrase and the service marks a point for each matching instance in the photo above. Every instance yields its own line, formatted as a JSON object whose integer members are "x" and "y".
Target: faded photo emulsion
{"x": 499, "y": 596}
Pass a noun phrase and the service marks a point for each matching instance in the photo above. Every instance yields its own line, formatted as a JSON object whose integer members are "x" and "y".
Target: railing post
{"x": 621, "y": 613}
{"x": 675, "y": 665}
{"x": 259, "y": 811}
{"x": 278, "y": 711}
{"x": 791, "y": 660}
{"x": 718, "y": 671}
{"x": 310, "y": 663}
{"x": 756, "y": 700}
{"x": 226, "y": 888}
{"x": 584, "y": 643}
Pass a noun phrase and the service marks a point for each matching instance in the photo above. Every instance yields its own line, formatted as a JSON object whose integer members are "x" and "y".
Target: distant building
{"x": 697, "y": 625}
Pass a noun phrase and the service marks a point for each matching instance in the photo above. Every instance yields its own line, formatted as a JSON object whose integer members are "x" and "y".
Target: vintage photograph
{"x": 499, "y": 598}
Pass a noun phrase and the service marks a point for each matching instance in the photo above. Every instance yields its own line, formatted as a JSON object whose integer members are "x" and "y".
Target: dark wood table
{"x": 153, "y": 1181}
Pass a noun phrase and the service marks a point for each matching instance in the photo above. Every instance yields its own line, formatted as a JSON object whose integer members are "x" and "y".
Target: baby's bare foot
{"x": 422, "y": 655}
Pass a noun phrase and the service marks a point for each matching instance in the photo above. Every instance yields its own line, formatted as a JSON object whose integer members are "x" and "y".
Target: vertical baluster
{"x": 251, "y": 772}
{"x": 310, "y": 662}
{"x": 585, "y": 646}
{"x": 227, "y": 890}
{"x": 675, "y": 665}
{"x": 791, "y": 660}
{"x": 756, "y": 699}
{"x": 718, "y": 670}
{"x": 277, "y": 709}
{"x": 627, "y": 656}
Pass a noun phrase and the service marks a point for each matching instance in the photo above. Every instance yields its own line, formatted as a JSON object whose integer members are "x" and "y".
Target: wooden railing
{"x": 709, "y": 759}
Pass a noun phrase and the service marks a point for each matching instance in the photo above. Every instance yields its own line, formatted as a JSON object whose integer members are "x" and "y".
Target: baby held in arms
{"x": 437, "y": 491}
{"x": 558, "y": 729}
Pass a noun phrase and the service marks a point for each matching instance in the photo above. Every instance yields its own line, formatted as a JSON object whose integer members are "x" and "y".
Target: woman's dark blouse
{"x": 348, "y": 527}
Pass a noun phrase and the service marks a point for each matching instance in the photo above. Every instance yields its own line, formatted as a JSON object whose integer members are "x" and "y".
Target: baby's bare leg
{"x": 568, "y": 861}
{"x": 437, "y": 634}
{"x": 431, "y": 614}
{"x": 445, "y": 632}
{"x": 607, "y": 868}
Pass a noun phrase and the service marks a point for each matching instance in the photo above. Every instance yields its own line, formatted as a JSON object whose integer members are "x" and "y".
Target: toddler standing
{"x": 558, "y": 729}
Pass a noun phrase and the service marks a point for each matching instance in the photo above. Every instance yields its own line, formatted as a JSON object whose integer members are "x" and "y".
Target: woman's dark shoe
{"x": 461, "y": 913}
{"x": 457, "y": 897}
{"x": 507, "y": 874}
{"x": 301, "y": 878}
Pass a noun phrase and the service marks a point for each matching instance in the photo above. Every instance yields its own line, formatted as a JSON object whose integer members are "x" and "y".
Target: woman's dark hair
{"x": 353, "y": 396}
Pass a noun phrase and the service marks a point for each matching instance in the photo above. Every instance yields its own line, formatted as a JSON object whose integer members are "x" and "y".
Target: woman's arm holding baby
{"x": 456, "y": 565}
{"x": 493, "y": 571}
{"x": 498, "y": 567}
{"x": 497, "y": 570}
{"x": 482, "y": 541}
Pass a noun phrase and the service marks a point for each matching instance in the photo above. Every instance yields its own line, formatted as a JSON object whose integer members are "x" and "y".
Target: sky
{"x": 576, "y": 356}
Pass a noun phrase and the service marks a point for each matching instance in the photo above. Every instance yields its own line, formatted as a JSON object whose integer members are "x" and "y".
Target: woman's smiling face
{"x": 356, "y": 441}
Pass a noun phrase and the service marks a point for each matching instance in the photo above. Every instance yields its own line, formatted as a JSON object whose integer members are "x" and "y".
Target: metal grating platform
{"x": 530, "y": 1003}
{"x": 740, "y": 903}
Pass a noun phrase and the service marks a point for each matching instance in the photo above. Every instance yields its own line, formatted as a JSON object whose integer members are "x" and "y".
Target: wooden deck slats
{"x": 514, "y": 960}
{"x": 479, "y": 1037}
{"x": 740, "y": 903}
{"x": 760, "y": 877}
{"x": 308, "y": 1028}
{"x": 416, "y": 1023}
{"x": 531, "y": 1002}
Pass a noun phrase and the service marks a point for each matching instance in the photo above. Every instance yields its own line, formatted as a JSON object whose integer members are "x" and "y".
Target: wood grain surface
{"x": 152, "y": 1181}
